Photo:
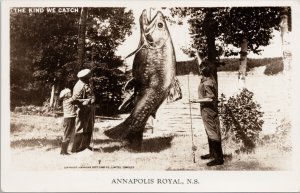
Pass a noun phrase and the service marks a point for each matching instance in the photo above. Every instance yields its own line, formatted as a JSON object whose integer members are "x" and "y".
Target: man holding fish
{"x": 208, "y": 99}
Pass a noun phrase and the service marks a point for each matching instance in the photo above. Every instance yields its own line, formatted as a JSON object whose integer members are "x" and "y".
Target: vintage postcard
{"x": 150, "y": 96}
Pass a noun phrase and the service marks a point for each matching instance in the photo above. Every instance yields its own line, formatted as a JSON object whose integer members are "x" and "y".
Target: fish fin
{"x": 128, "y": 103}
{"x": 136, "y": 51}
{"x": 153, "y": 114}
{"x": 175, "y": 92}
{"x": 129, "y": 84}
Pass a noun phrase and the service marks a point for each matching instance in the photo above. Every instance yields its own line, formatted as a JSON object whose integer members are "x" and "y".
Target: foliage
{"x": 255, "y": 24}
{"x": 224, "y": 27}
{"x": 281, "y": 138}
{"x": 108, "y": 85}
{"x": 44, "y": 47}
{"x": 44, "y": 110}
{"x": 283, "y": 135}
{"x": 241, "y": 119}
{"x": 274, "y": 67}
{"x": 185, "y": 67}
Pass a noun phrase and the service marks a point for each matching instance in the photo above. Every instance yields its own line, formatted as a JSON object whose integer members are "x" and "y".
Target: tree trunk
{"x": 198, "y": 59}
{"x": 243, "y": 65}
{"x": 54, "y": 95}
{"x": 211, "y": 46}
{"x": 211, "y": 52}
{"x": 287, "y": 59}
{"x": 81, "y": 37}
{"x": 285, "y": 42}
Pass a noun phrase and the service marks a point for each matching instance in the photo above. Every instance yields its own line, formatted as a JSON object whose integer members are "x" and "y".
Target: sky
{"x": 181, "y": 38}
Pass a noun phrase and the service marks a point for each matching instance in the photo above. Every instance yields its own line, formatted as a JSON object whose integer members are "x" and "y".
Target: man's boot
{"x": 210, "y": 155}
{"x": 217, "y": 149}
{"x": 85, "y": 142}
{"x": 76, "y": 147}
{"x": 64, "y": 148}
{"x": 88, "y": 143}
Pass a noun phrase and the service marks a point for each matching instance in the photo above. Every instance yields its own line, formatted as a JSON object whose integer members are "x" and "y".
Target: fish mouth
{"x": 147, "y": 27}
{"x": 146, "y": 24}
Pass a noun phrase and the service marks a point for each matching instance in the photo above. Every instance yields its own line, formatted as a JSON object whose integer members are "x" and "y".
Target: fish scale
{"x": 153, "y": 74}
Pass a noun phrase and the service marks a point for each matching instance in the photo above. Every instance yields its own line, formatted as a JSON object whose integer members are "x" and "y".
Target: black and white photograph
{"x": 149, "y": 96}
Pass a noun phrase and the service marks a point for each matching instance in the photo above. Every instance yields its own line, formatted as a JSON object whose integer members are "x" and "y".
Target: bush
{"x": 241, "y": 120}
{"x": 273, "y": 65}
{"x": 44, "y": 110}
{"x": 274, "y": 68}
{"x": 108, "y": 85}
{"x": 281, "y": 138}
{"x": 186, "y": 67}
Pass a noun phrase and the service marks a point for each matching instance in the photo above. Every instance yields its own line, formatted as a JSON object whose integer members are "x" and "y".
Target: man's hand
{"x": 194, "y": 101}
{"x": 203, "y": 100}
{"x": 86, "y": 102}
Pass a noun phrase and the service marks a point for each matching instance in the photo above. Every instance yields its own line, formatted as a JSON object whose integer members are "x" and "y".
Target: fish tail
{"x": 125, "y": 129}
{"x": 118, "y": 132}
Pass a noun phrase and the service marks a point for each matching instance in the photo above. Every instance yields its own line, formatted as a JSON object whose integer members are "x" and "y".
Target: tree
{"x": 205, "y": 29}
{"x": 81, "y": 37}
{"x": 250, "y": 28}
{"x": 214, "y": 29}
{"x": 285, "y": 27}
{"x": 41, "y": 43}
{"x": 44, "y": 46}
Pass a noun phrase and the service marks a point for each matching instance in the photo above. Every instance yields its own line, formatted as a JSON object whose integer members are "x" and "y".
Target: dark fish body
{"x": 153, "y": 74}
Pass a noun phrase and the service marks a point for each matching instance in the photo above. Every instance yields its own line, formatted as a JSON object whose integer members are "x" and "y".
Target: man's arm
{"x": 203, "y": 100}
{"x": 77, "y": 91}
{"x": 209, "y": 95}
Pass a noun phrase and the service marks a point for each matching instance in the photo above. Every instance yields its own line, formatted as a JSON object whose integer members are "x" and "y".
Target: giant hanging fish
{"x": 153, "y": 74}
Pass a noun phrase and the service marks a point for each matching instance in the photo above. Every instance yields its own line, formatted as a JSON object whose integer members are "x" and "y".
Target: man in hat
{"x": 208, "y": 100}
{"x": 84, "y": 123}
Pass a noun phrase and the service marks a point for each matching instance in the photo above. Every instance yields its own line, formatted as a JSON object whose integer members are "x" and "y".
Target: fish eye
{"x": 160, "y": 25}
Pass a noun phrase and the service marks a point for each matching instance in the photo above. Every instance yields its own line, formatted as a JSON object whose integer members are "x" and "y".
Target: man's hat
{"x": 64, "y": 92}
{"x": 83, "y": 73}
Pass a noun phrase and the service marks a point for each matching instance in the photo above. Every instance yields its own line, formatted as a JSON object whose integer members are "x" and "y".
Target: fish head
{"x": 154, "y": 32}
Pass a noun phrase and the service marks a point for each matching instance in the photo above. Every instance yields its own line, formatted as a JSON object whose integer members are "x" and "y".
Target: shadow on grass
{"x": 108, "y": 149}
{"x": 39, "y": 142}
{"x": 149, "y": 145}
{"x": 238, "y": 165}
{"x": 105, "y": 141}
{"x": 157, "y": 144}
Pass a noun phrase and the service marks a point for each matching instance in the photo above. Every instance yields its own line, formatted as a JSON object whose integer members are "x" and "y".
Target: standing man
{"x": 84, "y": 123}
{"x": 208, "y": 99}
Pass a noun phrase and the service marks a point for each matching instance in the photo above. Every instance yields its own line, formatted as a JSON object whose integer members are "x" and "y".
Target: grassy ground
{"x": 35, "y": 143}
{"x": 35, "y": 140}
